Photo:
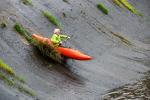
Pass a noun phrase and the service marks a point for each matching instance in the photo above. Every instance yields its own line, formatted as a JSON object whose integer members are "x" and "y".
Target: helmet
{"x": 57, "y": 31}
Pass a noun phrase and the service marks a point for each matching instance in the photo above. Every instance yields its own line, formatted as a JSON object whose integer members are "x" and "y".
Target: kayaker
{"x": 57, "y": 38}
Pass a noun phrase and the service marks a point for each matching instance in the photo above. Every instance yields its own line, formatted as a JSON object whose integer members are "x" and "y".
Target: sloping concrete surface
{"x": 114, "y": 63}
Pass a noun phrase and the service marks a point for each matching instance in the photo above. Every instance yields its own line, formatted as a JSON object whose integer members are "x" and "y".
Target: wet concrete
{"x": 4, "y": 92}
{"x": 114, "y": 63}
{"x": 139, "y": 90}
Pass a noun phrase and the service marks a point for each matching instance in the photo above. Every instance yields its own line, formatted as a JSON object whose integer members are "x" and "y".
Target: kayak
{"x": 67, "y": 52}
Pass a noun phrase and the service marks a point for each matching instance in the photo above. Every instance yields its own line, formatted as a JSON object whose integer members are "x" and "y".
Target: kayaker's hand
{"x": 61, "y": 42}
{"x": 68, "y": 37}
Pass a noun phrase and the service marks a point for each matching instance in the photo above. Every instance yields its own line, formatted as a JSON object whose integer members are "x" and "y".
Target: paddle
{"x": 65, "y": 41}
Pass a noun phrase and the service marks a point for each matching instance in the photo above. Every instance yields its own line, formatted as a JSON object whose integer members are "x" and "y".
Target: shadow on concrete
{"x": 63, "y": 69}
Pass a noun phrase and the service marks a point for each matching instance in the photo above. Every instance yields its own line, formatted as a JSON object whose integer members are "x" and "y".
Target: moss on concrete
{"x": 3, "y": 25}
{"x": 26, "y": 90}
{"x": 11, "y": 79}
{"x": 22, "y": 31}
{"x": 51, "y": 18}
{"x": 6, "y": 79}
{"x": 64, "y": 14}
{"x": 103, "y": 8}
{"x": 66, "y": 1}
{"x": 21, "y": 79}
{"x": 130, "y": 7}
{"x": 118, "y": 3}
{"x": 6, "y": 68}
{"x": 27, "y": 2}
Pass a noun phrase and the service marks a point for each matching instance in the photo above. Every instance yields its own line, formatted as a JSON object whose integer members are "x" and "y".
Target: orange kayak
{"x": 67, "y": 52}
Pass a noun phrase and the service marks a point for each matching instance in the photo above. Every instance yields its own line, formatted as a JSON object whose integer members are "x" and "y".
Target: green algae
{"x": 9, "y": 77}
{"x": 127, "y": 5}
{"x": 118, "y": 3}
{"x": 26, "y": 90}
{"x": 6, "y": 79}
{"x": 64, "y": 14}
{"x": 6, "y": 68}
{"x": 20, "y": 79}
{"x": 51, "y": 18}
{"x": 27, "y": 2}
{"x": 66, "y": 1}
{"x": 13, "y": 83}
{"x": 130, "y": 7}
{"x": 103, "y": 8}
{"x": 3, "y": 25}
{"x": 22, "y": 31}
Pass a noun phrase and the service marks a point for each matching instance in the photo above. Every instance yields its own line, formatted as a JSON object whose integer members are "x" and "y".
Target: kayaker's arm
{"x": 64, "y": 37}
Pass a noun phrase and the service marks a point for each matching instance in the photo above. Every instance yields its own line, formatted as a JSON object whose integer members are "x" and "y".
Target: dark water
{"x": 139, "y": 90}
{"x": 114, "y": 62}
